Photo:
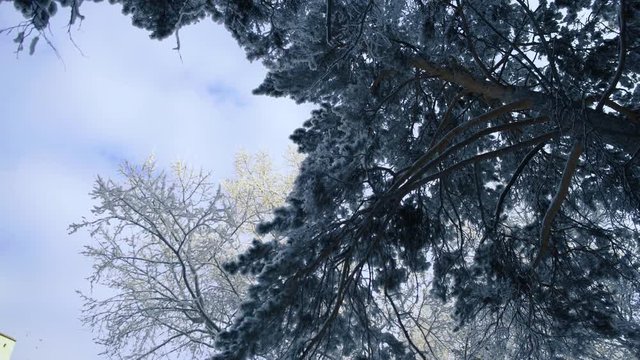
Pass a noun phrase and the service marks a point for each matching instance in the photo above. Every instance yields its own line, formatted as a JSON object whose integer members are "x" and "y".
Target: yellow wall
{"x": 6, "y": 346}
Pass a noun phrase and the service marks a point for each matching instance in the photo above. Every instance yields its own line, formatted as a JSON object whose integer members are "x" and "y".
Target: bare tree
{"x": 159, "y": 243}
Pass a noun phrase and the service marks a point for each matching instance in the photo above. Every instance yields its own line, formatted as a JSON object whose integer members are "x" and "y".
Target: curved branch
{"x": 401, "y": 192}
{"x": 402, "y": 327}
{"x": 513, "y": 180}
{"x": 426, "y": 158}
{"x": 558, "y": 199}
{"x": 464, "y": 79}
{"x": 487, "y": 131}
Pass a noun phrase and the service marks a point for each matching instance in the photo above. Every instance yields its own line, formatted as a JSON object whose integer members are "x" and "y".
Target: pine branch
{"x": 512, "y": 181}
{"x": 471, "y": 139}
{"x": 409, "y": 187}
{"x": 329, "y": 19}
{"x": 461, "y": 77}
{"x": 622, "y": 55}
{"x": 558, "y": 199}
{"x": 614, "y": 130}
{"x": 425, "y": 159}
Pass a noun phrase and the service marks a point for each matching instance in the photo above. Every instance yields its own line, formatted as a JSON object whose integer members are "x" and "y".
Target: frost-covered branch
{"x": 558, "y": 199}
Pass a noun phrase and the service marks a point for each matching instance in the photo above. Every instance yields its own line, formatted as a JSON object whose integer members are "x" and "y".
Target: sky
{"x": 64, "y": 120}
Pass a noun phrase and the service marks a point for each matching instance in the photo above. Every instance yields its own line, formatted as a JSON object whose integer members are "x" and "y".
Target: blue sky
{"x": 64, "y": 121}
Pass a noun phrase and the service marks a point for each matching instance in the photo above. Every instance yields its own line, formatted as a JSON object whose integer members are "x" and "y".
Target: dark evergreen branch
{"x": 475, "y": 136}
{"x": 419, "y": 164}
{"x": 314, "y": 342}
{"x": 532, "y": 66}
{"x": 446, "y": 119}
{"x": 329, "y": 16}
{"x": 622, "y": 55}
{"x": 479, "y": 193}
{"x": 633, "y": 115}
{"x": 549, "y": 52}
{"x": 471, "y": 46}
{"x": 512, "y": 181}
{"x": 558, "y": 199}
{"x": 409, "y": 187}
{"x": 627, "y": 178}
{"x": 466, "y": 80}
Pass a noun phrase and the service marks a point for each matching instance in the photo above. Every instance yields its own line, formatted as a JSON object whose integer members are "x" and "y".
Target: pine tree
{"x": 484, "y": 152}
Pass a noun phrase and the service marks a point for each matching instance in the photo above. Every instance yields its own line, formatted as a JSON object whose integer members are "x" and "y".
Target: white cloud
{"x": 62, "y": 124}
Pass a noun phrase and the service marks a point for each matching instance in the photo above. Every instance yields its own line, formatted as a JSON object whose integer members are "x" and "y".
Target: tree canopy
{"x": 159, "y": 244}
{"x": 481, "y": 151}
